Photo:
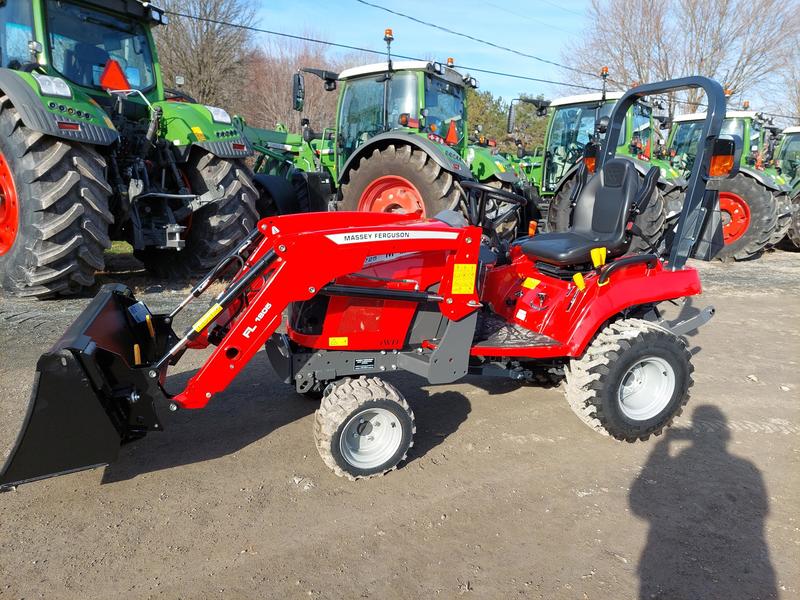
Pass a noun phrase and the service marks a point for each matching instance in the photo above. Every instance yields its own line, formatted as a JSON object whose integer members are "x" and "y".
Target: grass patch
{"x": 120, "y": 248}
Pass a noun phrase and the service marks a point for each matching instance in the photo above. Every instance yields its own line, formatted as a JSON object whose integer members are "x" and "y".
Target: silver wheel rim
{"x": 646, "y": 388}
{"x": 370, "y": 438}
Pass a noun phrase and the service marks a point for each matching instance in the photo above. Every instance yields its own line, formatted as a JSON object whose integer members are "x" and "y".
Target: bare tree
{"x": 269, "y": 94}
{"x": 741, "y": 43}
{"x": 210, "y": 56}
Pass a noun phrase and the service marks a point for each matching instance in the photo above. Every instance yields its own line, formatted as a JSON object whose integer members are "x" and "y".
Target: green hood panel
{"x": 187, "y": 124}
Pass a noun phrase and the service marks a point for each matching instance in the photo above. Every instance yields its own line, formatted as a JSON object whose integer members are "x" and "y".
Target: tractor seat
{"x": 600, "y": 217}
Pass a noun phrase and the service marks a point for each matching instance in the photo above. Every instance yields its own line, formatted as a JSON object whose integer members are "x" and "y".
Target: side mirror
{"x": 602, "y": 125}
{"x": 725, "y": 157}
{"x": 512, "y": 117}
{"x": 298, "y": 91}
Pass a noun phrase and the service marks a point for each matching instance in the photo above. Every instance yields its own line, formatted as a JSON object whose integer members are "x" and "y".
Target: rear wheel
{"x": 214, "y": 229}
{"x": 784, "y": 223}
{"x": 363, "y": 427}
{"x": 794, "y": 229}
{"x": 399, "y": 178}
{"x": 632, "y": 380}
{"x": 749, "y": 217}
{"x": 54, "y": 214}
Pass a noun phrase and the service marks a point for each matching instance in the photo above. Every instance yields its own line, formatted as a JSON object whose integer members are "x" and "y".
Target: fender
{"x": 43, "y": 114}
{"x": 485, "y": 166}
{"x": 444, "y": 156}
{"x": 186, "y": 125}
{"x": 765, "y": 179}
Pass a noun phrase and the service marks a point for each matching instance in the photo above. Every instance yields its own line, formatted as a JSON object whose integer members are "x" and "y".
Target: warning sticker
{"x": 521, "y": 314}
{"x": 210, "y": 315}
{"x": 464, "y": 278}
{"x": 364, "y": 364}
{"x": 338, "y": 341}
{"x": 530, "y": 283}
{"x": 198, "y": 133}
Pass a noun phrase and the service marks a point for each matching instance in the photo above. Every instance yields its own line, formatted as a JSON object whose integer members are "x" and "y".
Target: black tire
{"x": 559, "y": 213}
{"x": 763, "y": 218}
{"x": 436, "y": 186}
{"x": 63, "y": 211}
{"x": 793, "y": 235}
{"x": 651, "y": 220}
{"x": 594, "y": 379}
{"x": 346, "y": 400}
{"x": 215, "y": 228}
{"x": 783, "y": 205}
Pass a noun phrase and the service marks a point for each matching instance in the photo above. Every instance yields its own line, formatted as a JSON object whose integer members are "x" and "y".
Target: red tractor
{"x": 439, "y": 297}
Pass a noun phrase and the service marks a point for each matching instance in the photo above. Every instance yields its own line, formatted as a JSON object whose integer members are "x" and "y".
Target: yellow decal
{"x": 599, "y": 256}
{"x": 500, "y": 166}
{"x": 108, "y": 122}
{"x": 149, "y": 320}
{"x": 201, "y": 137}
{"x": 579, "y": 282}
{"x": 464, "y": 278}
{"x": 338, "y": 341}
{"x": 530, "y": 283}
{"x": 210, "y": 315}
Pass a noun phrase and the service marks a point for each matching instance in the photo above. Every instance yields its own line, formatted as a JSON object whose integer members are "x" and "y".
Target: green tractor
{"x": 755, "y": 206}
{"x": 787, "y": 166}
{"x": 94, "y": 149}
{"x": 400, "y": 143}
{"x": 573, "y": 123}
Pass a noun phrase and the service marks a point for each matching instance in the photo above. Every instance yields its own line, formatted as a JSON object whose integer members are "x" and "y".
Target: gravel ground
{"x": 505, "y": 494}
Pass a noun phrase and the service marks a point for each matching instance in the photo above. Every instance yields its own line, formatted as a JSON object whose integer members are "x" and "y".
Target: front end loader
{"x": 440, "y": 297}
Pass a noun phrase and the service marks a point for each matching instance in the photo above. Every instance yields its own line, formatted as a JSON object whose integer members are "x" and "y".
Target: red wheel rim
{"x": 9, "y": 207}
{"x": 391, "y": 193}
{"x": 735, "y": 216}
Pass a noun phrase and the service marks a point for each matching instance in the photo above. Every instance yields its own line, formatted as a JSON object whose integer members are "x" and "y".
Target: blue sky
{"x": 538, "y": 27}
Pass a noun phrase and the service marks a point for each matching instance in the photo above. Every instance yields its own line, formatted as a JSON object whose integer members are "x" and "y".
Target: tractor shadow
{"x": 253, "y": 406}
{"x": 706, "y": 510}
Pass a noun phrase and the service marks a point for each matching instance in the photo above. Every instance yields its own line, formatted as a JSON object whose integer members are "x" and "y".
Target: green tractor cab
{"x": 400, "y": 143}
{"x": 755, "y": 205}
{"x": 97, "y": 151}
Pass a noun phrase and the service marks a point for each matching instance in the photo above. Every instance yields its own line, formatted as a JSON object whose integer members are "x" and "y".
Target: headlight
{"x": 52, "y": 86}
{"x": 219, "y": 115}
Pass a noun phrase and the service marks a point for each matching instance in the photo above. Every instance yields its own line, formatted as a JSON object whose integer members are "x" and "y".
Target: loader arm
{"x": 283, "y": 268}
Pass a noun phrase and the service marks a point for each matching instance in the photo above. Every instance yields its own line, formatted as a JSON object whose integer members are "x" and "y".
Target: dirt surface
{"x": 505, "y": 494}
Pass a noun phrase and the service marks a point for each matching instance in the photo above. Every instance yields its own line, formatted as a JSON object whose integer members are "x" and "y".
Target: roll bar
{"x": 693, "y": 215}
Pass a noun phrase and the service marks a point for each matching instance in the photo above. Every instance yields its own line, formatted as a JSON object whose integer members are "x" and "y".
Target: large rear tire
{"x": 399, "y": 178}
{"x": 749, "y": 217}
{"x": 793, "y": 234}
{"x": 53, "y": 211}
{"x": 631, "y": 381}
{"x": 651, "y": 220}
{"x": 214, "y": 229}
{"x": 784, "y": 207}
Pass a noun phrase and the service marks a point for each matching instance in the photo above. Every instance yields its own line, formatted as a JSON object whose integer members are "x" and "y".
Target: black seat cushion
{"x": 600, "y": 219}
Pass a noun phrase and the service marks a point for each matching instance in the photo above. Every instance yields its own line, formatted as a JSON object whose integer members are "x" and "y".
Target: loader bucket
{"x": 93, "y": 390}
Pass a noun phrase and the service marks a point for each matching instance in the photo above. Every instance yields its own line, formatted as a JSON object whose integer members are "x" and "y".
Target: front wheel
{"x": 363, "y": 427}
{"x": 631, "y": 381}
{"x": 399, "y": 178}
{"x": 215, "y": 228}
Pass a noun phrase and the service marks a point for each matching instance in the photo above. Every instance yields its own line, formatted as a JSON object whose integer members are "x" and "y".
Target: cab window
{"x": 16, "y": 32}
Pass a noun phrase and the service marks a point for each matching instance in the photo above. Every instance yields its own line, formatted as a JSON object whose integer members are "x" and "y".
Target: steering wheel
{"x": 478, "y": 197}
